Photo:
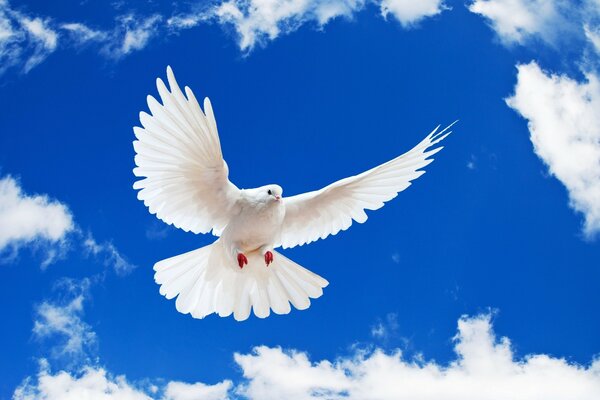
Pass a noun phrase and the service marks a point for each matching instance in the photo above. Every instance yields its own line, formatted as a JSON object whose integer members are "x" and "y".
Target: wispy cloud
{"x": 564, "y": 124}
{"x": 24, "y": 40}
{"x": 61, "y": 321}
{"x": 109, "y": 255}
{"x": 27, "y": 39}
{"x": 132, "y": 33}
{"x": 384, "y": 329}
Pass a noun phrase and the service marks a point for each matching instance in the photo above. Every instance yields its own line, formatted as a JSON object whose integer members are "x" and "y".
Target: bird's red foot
{"x": 268, "y": 258}
{"x": 242, "y": 260}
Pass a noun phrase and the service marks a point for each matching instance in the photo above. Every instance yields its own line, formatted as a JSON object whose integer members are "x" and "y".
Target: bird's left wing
{"x": 179, "y": 154}
{"x": 316, "y": 215}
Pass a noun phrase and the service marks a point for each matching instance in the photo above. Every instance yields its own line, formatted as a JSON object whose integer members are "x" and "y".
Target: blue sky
{"x": 490, "y": 257}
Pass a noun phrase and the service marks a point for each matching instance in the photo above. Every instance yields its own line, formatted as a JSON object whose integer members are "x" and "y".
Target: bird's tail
{"x": 208, "y": 280}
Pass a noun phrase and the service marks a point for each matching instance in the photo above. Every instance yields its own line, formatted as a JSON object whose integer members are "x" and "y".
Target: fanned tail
{"x": 208, "y": 281}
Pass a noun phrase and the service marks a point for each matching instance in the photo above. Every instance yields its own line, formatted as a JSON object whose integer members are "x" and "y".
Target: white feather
{"x": 207, "y": 281}
{"x": 184, "y": 181}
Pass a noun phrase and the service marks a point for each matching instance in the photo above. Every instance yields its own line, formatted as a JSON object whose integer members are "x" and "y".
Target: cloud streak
{"x": 62, "y": 322}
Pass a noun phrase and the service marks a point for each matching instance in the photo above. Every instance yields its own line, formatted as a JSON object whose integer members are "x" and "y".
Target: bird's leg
{"x": 242, "y": 260}
{"x": 267, "y": 252}
{"x": 268, "y": 258}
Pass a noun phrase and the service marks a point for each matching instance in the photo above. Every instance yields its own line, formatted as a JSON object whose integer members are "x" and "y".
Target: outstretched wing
{"x": 179, "y": 155}
{"x": 316, "y": 215}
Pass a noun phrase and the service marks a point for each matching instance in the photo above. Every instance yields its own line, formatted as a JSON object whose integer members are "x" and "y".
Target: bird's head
{"x": 270, "y": 193}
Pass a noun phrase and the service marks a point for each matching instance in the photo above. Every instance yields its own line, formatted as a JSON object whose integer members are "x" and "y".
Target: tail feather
{"x": 208, "y": 281}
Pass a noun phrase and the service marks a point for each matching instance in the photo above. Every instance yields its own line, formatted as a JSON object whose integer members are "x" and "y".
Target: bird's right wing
{"x": 318, "y": 214}
{"x": 179, "y": 155}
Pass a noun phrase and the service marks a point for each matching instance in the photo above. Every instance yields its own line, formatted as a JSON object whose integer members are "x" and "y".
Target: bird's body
{"x": 258, "y": 223}
{"x": 186, "y": 184}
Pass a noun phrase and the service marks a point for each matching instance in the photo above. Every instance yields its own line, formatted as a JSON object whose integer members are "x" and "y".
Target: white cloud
{"x": 515, "y": 21}
{"x": 593, "y": 35}
{"x": 96, "y": 383}
{"x": 44, "y": 40}
{"x": 136, "y": 33}
{"x": 556, "y": 22}
{"x": 564, "y": 123}
{"x": 257, "y": 21}
{"x": 386, "y": 328}
{"x": 130, "y": 33}
{"x": 197, "y": 391}
{"x": 108, "y": 253}
{"x": 89, "y": 384}
{"x": 24, "y": 40}
{"x": 485, "y": 369}
{"x": 47, "y": 226}
{"x": 410, "y": 12}
{"x": 62, "y": 320}
{"x": 27, "y": 219}
{"x": 82, "y": 34}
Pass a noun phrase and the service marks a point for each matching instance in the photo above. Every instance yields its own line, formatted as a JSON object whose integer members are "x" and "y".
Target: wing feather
{"x": 318, "y": 214}
{"x": 178, "y": 156}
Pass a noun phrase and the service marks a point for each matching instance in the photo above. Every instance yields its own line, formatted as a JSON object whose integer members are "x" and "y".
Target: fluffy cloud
{"x": 485, "y": 368}
{"x": 89, "y": 384}
{"x": 515, "y": 21}
{"x": 257, "y": 21}
{"x": 47, "y": 226}
{"x": 27, "y": 219}
{"x": 197, "y": 391}
{"x": 556, "y": 22}
{"x": 95, "y": 383}
{"x": 564, "y": 123}
{"x": 410, "y": 12}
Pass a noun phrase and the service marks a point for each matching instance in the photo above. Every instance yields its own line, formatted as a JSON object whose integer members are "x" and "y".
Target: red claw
{"x": 242, "y": 260}
{"x": 268, "y": 258}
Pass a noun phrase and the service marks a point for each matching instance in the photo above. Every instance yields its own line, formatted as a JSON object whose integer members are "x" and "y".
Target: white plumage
{"x": 185, "y": 183}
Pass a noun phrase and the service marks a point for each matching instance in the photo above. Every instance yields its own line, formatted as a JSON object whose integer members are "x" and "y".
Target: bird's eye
{"x": 269, "y": 191}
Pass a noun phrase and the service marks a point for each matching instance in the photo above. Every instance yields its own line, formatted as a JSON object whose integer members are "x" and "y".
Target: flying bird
{"x": 185, "y": 183}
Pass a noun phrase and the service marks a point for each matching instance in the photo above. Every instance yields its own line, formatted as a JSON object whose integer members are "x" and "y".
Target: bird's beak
{"x": 278, "y": 198}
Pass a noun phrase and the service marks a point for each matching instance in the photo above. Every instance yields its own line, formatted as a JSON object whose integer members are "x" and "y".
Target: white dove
{"x": 186, "y": 184}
